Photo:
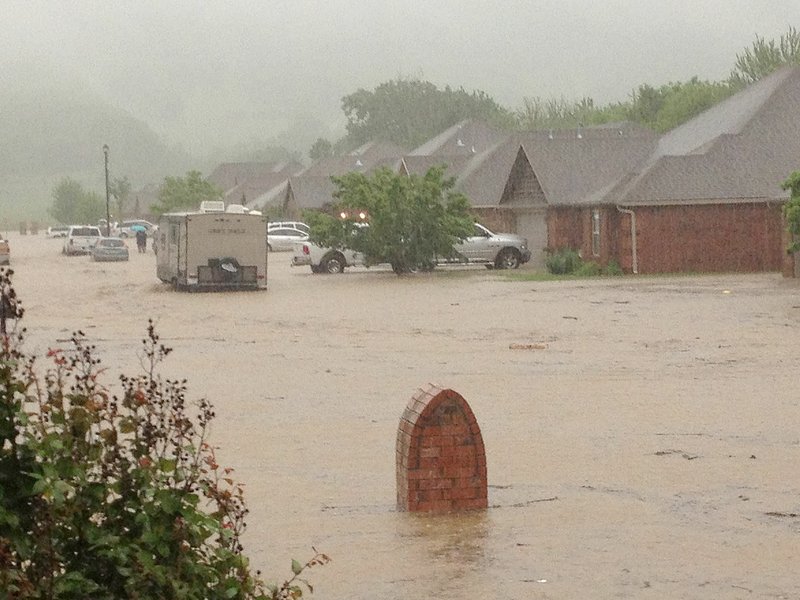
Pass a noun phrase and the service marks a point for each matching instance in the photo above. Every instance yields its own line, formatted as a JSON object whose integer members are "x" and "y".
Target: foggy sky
{"x": 211, "y": 73}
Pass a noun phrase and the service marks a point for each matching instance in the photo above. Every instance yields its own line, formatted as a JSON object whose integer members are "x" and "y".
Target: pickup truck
{"x": 494, "y": 250}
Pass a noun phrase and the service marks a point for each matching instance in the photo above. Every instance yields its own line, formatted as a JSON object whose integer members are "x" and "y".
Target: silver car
{"x": 483, "y": 247}
{"x": 111, "y": 248}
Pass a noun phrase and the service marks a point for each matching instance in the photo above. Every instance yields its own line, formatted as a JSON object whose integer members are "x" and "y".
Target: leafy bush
{"x": 563, "y": 262}
{"x": 114, "y": 497}
{"x": 613, "y": 269}
{"x": 588, "y": 269}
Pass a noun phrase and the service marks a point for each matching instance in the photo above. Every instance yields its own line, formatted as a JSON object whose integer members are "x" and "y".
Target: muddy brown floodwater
{"x": 642, "y": 433}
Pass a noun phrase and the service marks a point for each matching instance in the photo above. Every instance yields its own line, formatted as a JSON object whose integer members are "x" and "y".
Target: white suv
{"x": 81, "y": 239}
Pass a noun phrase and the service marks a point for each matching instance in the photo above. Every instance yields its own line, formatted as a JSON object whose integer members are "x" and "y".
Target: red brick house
{"x": 708, "y": 196}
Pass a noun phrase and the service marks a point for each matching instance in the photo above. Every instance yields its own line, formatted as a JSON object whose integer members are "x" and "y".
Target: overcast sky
{"x": 209, "y": 73}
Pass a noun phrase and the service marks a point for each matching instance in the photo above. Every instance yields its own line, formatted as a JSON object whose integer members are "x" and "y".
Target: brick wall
{"x": 743, "y": 237}
{"x": 440, "y": 456}
{"x": 724, "y": 237}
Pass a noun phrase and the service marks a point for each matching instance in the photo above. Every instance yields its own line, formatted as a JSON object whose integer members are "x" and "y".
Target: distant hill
{"x": 47, "y": 136}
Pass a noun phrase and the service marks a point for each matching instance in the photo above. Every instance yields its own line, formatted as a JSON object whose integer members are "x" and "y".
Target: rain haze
{"x": 205, "y": 74}
{"x": 640, "y": 431}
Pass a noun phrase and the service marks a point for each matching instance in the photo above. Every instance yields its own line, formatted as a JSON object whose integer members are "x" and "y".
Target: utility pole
{"x": 108, "y": 209}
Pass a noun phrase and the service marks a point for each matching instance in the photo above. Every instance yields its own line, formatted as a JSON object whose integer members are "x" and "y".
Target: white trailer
{"x": 212, "y": 251}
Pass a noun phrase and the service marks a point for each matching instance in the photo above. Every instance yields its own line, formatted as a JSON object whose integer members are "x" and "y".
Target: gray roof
{"x": 377, "y": 150}
{"x": 464, "y": 138}
{"x": 311, "y": 191}
{"x": 419, "y": 165}
{"x": 339, "y": 165}
{"x": 572, "y": 166}
{"x": 229, "y": 175}
{"x": 578, "y": 166}
{"x": 741, "y": 149}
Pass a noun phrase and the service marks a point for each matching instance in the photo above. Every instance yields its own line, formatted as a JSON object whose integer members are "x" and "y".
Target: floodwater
{"x": 642, "y": 434}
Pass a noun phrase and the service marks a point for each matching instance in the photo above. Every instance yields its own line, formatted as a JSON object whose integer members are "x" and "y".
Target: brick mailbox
{"x": 440, "y": 458}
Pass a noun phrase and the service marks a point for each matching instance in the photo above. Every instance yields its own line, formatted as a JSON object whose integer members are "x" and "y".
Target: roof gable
{"x": 310, "y": 191}
{"x": 578, "y": 166}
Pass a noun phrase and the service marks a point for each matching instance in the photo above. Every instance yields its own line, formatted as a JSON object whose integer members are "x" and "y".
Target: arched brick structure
{"x": 441, "y": 460}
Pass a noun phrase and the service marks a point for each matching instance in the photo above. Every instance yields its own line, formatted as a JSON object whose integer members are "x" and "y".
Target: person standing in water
{"x": 141, "y": 240}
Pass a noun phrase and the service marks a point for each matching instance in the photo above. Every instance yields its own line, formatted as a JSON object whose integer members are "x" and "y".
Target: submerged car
{"x": 111, "y": 248}
{"x": 81, "y": 239}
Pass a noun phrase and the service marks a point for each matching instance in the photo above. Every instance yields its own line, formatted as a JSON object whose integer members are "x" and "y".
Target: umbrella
{"x": 138, "y": 228}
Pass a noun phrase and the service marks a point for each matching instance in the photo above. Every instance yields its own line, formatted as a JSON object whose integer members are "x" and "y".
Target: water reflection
{"x": 456, "y": 544}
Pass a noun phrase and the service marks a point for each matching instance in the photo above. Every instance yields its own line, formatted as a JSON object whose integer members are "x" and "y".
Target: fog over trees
{"x": 176, "y": 88}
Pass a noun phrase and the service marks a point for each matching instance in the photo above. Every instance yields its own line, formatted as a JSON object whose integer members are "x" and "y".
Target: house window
{"x": 596, "y": 232}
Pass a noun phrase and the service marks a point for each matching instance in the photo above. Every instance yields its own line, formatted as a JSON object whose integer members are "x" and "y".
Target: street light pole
{"x": 108, "y": 210}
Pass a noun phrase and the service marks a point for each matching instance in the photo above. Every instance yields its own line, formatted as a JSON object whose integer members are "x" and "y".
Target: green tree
{"x": 72, "y": 204}
{"x": 408, "y": 112}
{"x": 322, "y": 148}
{"x": 111, "y": 497}
{"x": 120, "y": 188}
{"x": 184, "y": 193}
{"x": 791, "y": 210}
{"x": 558, "y": 113}
{"x": 764, "y": 57}
{"x": 412, "y": 220}
{"x": 646, "y": 102}
{"x": 684, "y": 101}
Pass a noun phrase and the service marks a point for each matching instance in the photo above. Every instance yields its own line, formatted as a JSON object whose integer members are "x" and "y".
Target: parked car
{"x": 128, "y": 228}
{"x": 293, "y": 224}
{"x": 110, "y": 248}
{"x": 57, "y": 231}
{"x": 80, "y": 239}
{"x": 484, "y": 247}
{"x": 5, "y": 252}
{"x": 284, "y": 238}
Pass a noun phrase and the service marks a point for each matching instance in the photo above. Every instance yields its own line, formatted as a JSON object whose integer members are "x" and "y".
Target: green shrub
{"x": 564, "y": 261}
{"x": 613, "y": 269}
{"x": 588, "y": 269}
{"x": 114, "y": 497}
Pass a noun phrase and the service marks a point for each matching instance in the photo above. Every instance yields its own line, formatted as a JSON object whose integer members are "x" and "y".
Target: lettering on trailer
{"x": 237, "y": 230}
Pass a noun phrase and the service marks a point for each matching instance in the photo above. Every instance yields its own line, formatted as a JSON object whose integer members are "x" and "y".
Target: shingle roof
{"x": 377, "y": 150}
{"x": 742, "y": 149}
{"x": 339, "y": 165}
{"x": 572, "y": 166}
{"x": 464, "y": 138}
{"x": 419, "y": 165}
{"x": 579, "y": 166}
{"x": 311, "y": 191}
{"x": 228, "y": 175}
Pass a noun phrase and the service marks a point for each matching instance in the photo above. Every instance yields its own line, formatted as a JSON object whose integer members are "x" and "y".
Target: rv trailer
{"x": 205, "y": 251}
